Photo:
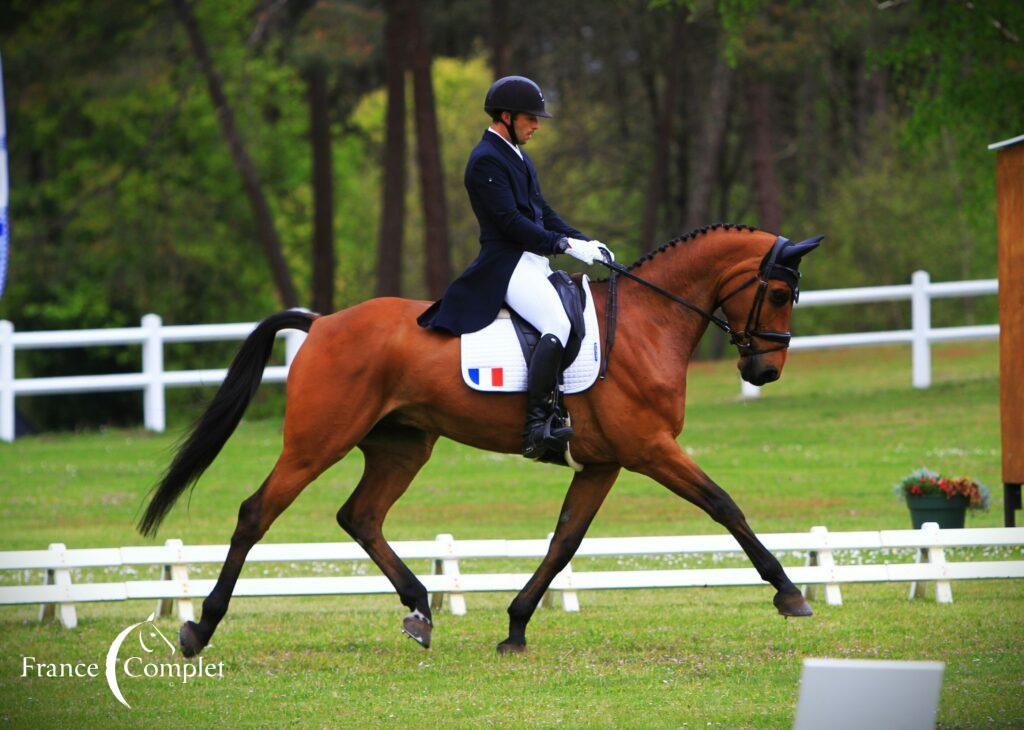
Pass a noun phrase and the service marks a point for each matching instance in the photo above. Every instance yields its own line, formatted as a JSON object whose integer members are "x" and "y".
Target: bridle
{"x": 769, "y": 269}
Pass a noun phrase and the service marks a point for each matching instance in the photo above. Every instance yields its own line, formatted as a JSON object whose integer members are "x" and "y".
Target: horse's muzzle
{"x": 755, "y": 372}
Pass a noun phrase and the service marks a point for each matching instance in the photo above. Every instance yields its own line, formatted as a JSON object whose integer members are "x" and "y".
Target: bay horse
{"x": 370, "y": 377}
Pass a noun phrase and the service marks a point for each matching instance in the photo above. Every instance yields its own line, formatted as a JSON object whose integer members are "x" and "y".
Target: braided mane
{"x": 689, "y": 237}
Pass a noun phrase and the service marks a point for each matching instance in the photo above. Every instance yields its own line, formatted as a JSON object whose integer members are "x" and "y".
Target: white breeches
{"x": 534, "y": 297}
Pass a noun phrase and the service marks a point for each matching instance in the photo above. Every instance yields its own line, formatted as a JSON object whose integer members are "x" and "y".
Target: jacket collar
{"x": 505, "y": 149}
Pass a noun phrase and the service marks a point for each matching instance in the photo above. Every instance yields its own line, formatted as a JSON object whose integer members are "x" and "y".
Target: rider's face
{"x": 525, "y": 125}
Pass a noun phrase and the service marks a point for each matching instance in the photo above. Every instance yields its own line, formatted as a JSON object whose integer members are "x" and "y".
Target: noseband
{"x": 769, "y": 269}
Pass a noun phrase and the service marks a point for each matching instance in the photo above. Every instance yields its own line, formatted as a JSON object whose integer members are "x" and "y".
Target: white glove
{"x": 602, "y": 248}
{"x": 587, "y": 251}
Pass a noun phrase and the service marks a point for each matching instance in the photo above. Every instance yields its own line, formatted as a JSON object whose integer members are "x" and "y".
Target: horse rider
{"x": 518, "y": 231}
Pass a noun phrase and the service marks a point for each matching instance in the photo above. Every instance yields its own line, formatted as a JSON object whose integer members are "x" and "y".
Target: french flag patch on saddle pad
{"x": 487, "y": 377}
{"x": 492, "y": 358}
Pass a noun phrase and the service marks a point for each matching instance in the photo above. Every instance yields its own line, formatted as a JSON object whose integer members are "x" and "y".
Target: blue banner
{"x": 5, "y": 246}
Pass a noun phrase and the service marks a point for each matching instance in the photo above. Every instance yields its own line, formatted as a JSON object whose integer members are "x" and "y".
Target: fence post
{"x": 448, "y": 566}
{"x": 177, "y": 572}
{"x": 293, "y": 340}
{"x": 935, "y": 556}
{"x": 570, "y": 601}
{"x": 921, "y": 318}
{"x": 823, "y": 558}
{"x": 153, "y": 407}
{"x": 749, "y": 391}
{"x": 60, "y": 577}
{"x": 6, "y": 380}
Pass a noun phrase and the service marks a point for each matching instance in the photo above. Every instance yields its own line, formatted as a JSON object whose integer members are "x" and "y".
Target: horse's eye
{"x": 779, "y": 297}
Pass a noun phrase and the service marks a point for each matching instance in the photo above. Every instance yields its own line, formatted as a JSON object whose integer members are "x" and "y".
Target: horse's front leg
{"x": 586, "y": 494}
{"x": 669, "y": 465}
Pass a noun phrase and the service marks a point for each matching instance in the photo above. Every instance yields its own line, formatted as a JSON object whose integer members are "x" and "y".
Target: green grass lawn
{"x": 822, "y": 446}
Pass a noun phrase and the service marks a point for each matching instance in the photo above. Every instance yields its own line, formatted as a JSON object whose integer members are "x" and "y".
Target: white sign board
{"x": 854, "y": 694}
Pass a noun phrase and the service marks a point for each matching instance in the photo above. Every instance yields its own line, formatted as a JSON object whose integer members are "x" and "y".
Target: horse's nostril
{"x": 771, "y": 375}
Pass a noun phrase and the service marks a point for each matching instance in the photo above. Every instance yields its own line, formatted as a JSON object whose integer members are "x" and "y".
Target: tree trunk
{"x": 879, "y": 97}
{"x": 657, "y": 180}
{"x": 861, "y": 109}
{"x": 683, "y": 160}
{"x": 428, "y": 153}
{"x": 706, "y": 167}
{"x": 498, "y": 37}
{"x": 323, "y": 190}
{"x": 766, "y": 181}
{"x": 731, "y": 156}
{"x": 810, "y": 154}
{"x": 266, "y": 230}
{"x": 871, "y": 96}
{"x": 952, "y": 154}
{"x": 392, "y": 220}
{"x": 715, "y": 343}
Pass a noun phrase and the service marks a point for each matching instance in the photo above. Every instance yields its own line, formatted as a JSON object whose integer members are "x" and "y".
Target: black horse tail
{"x": 211, "y": 431}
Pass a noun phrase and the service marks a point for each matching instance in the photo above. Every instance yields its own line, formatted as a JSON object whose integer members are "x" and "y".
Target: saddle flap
{"x": 494, "y": 359}
{"x": 574, "y": 301}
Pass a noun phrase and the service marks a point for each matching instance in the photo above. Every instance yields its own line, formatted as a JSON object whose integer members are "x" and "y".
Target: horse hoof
{"x": 508, "y": 647}
{"x": 417, "y": 627}
{"x": 189, "y": 639}
{"x": 792, "y": 604}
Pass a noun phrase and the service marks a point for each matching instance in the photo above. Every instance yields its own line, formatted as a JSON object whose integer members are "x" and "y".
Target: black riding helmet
{"x": 515, "y": 94}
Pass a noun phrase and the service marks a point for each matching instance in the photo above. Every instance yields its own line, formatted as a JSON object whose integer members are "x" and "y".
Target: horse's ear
{"x": 796, "y": 251}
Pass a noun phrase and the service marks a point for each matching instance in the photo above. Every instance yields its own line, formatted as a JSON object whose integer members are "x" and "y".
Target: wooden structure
{"x": 1010, "y": 190}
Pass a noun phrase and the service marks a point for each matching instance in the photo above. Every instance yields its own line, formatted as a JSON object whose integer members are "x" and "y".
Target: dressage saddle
{"x": 574, "y": 301}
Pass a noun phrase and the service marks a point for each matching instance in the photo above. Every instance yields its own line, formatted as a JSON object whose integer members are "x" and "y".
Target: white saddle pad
{"x": 493, "y": 361}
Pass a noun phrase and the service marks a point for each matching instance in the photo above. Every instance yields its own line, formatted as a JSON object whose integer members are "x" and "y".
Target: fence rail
{"x": 175, "y": 589}
{"x": 152, "y": 335}
{"x": 152, "y": 381}
{"x": 920, "y": 336}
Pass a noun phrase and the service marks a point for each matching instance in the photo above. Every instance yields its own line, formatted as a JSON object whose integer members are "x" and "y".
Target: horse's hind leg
{"x": 289, "y": 477}
{"x": 313, "y": 441}
{"x": 394, "y": 454}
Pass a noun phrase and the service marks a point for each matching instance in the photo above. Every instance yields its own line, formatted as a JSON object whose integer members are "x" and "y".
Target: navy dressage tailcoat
{"x": 514, "y": 217}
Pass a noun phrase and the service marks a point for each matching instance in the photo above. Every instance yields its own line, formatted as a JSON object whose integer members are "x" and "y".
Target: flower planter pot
{"x": 949, "y": 513}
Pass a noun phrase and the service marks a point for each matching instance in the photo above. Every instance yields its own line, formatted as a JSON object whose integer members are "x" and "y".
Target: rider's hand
{"x": 586, "y": 251}
{"x": 603, "y": 248}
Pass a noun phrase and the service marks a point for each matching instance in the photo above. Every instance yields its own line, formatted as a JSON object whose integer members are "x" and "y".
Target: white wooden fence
{"x": 60, "y": 593}
{"x": 153, "y": 335}
{"x": 153, "y": 380}
{"x": 920, "y": 336}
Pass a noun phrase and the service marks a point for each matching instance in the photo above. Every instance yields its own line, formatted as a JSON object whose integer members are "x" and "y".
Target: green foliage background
{"x": 124, "y": 198}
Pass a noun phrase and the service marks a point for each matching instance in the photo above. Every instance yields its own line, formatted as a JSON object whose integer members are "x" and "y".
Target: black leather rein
{"x": 742, "y": 339}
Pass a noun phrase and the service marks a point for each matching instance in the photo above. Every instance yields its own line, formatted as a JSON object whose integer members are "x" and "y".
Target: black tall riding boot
{"x": 541, "y": 381}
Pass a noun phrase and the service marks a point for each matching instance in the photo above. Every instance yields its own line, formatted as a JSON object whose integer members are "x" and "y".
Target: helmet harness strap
{"x": 510, "y": 127}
